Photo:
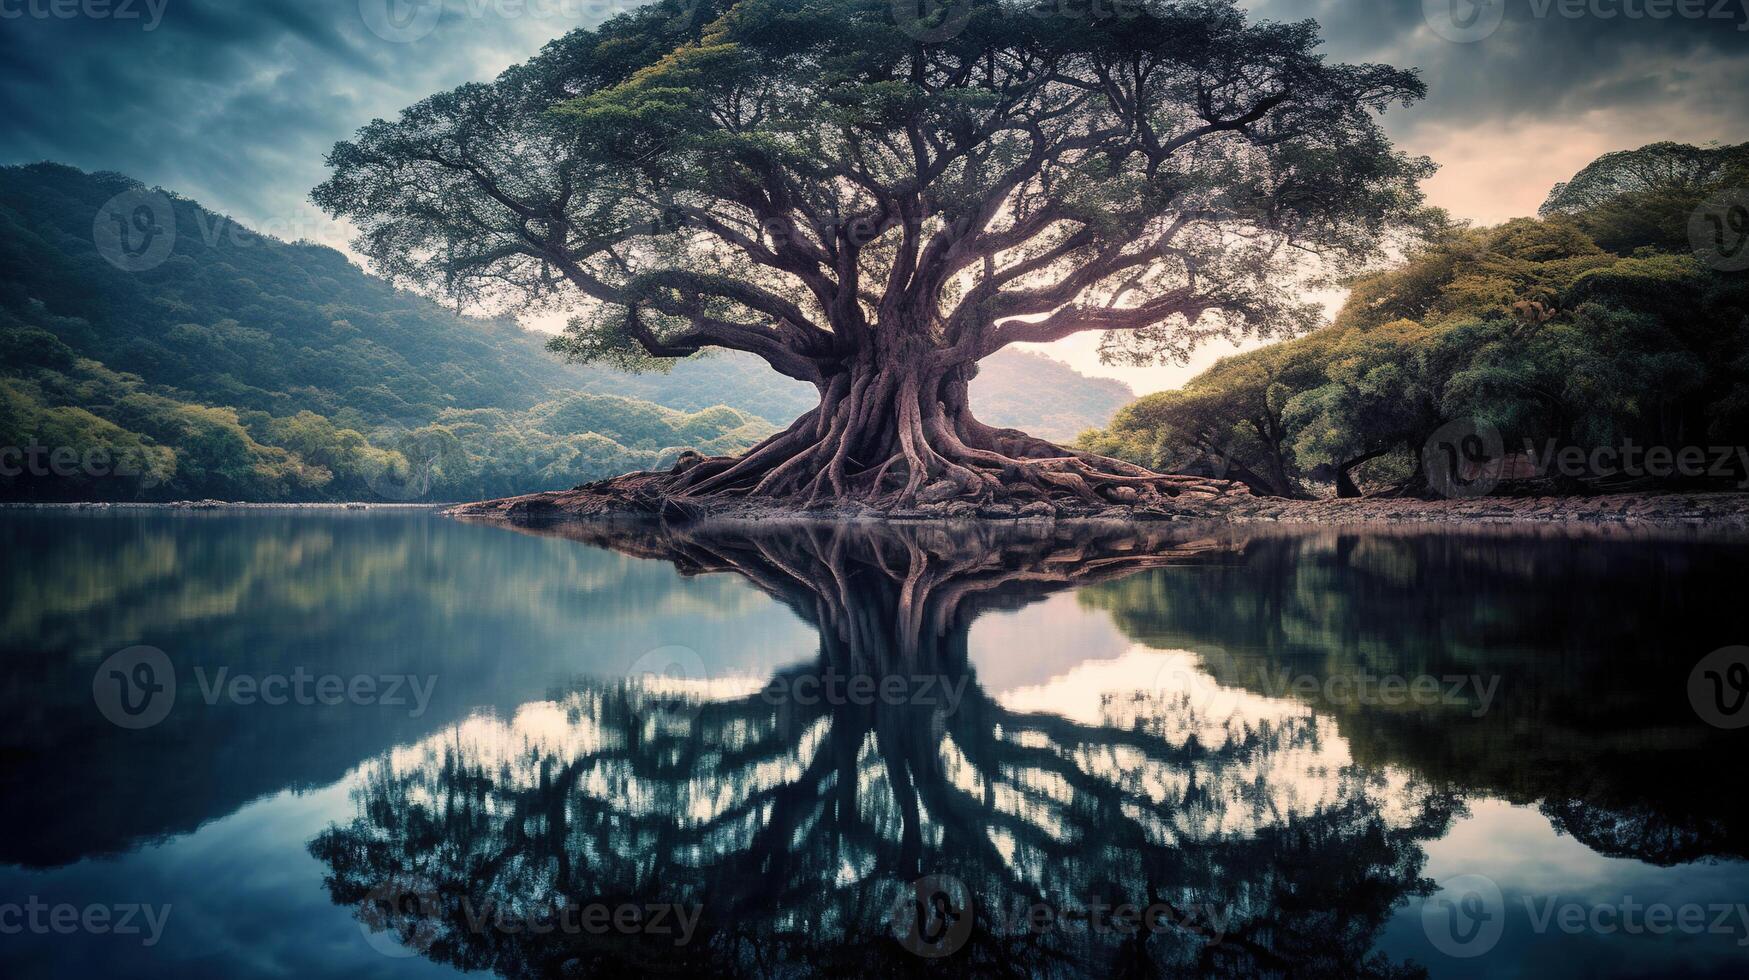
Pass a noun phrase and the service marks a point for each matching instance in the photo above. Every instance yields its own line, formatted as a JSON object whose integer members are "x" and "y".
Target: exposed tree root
{"x": 879, "y": 442}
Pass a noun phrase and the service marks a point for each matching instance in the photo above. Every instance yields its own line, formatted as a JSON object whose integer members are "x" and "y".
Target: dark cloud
{"x": 1541, "y": 63}
{"x": 235, "y": 103}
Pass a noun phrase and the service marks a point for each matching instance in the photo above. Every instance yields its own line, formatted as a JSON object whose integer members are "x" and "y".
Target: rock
{"x": 1038, "y": 508}
{"x": 997, "y": 510}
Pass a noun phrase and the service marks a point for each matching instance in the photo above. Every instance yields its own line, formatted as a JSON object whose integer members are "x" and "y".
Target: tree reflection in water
{"x": 796, "y": 828}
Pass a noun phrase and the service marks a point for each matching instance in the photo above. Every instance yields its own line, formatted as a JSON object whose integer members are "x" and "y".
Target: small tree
{"x": 872, "y": 202}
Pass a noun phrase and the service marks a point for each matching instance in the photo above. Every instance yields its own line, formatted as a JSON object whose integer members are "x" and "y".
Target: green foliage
{"x": 792, "y": 180}
{"x": 244, "y": 368}
{"x": 1531, "y": 327}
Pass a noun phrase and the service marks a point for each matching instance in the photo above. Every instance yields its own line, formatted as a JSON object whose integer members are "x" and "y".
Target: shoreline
{"x": 1723, "y": 513}
{"x": 1696, "y": 513}
{"x": 212, "y": 505}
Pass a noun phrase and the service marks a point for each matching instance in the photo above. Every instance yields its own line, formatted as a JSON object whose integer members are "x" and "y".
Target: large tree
{"x": 872, "y": 201}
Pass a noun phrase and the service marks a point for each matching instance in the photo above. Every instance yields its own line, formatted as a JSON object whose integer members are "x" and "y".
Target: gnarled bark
{"x": 894, "y": 428}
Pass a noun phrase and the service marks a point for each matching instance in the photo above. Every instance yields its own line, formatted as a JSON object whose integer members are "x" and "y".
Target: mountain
{"x": 168, "y": 351}
{"x": 1044, "y": 396}
{"x": 1006, "y": 392}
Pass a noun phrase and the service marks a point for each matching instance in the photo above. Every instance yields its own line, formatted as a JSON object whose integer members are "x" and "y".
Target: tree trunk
{"x": 893, "y": 428}
{"x": 1345, "y": 485}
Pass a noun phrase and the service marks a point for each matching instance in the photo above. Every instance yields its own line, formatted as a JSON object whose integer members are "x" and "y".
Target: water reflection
{"x": 495, "y": 619}
{"x": 1084, "y": 718}
{"x": 796, "y": 827}
{"x": 1588, "y": 642}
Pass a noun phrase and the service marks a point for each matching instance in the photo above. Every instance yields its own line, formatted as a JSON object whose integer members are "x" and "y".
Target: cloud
{"x": 235, "y": 104}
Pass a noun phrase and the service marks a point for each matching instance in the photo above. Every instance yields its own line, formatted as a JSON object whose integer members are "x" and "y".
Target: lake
{"x": 368, "y": 743}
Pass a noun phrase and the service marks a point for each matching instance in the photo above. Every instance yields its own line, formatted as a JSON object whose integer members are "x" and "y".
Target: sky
{"x": 235, "y": 102}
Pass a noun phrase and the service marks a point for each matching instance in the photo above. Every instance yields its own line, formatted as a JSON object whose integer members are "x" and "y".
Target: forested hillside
{"x": 242, "y": 367}
{"x": 1603, "y": 344}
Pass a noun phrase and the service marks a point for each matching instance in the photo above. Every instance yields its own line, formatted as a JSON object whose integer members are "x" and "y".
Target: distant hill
{"x": 1044, "y": 396}
{"x": 1016, "y": 389}
{"x": 234, "y": 365}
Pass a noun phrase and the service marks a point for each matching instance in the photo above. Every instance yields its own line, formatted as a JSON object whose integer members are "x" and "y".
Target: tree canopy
{"x": 871, "y": 203}
{"x": 1531, "y": 328}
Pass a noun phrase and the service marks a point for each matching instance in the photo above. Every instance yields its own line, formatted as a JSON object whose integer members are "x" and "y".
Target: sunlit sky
{"x": 234, "y": 104}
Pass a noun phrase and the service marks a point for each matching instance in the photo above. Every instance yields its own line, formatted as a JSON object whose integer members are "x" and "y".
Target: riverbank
{"x": 1720, "y": 511}
{"x": 210, "y": 505}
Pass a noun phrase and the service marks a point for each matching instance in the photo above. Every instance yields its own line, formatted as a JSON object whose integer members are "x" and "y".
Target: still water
{"x": 391, "y": 744}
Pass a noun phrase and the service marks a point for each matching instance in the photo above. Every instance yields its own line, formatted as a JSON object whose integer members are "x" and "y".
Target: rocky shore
{"x": 1726, "y": 512}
